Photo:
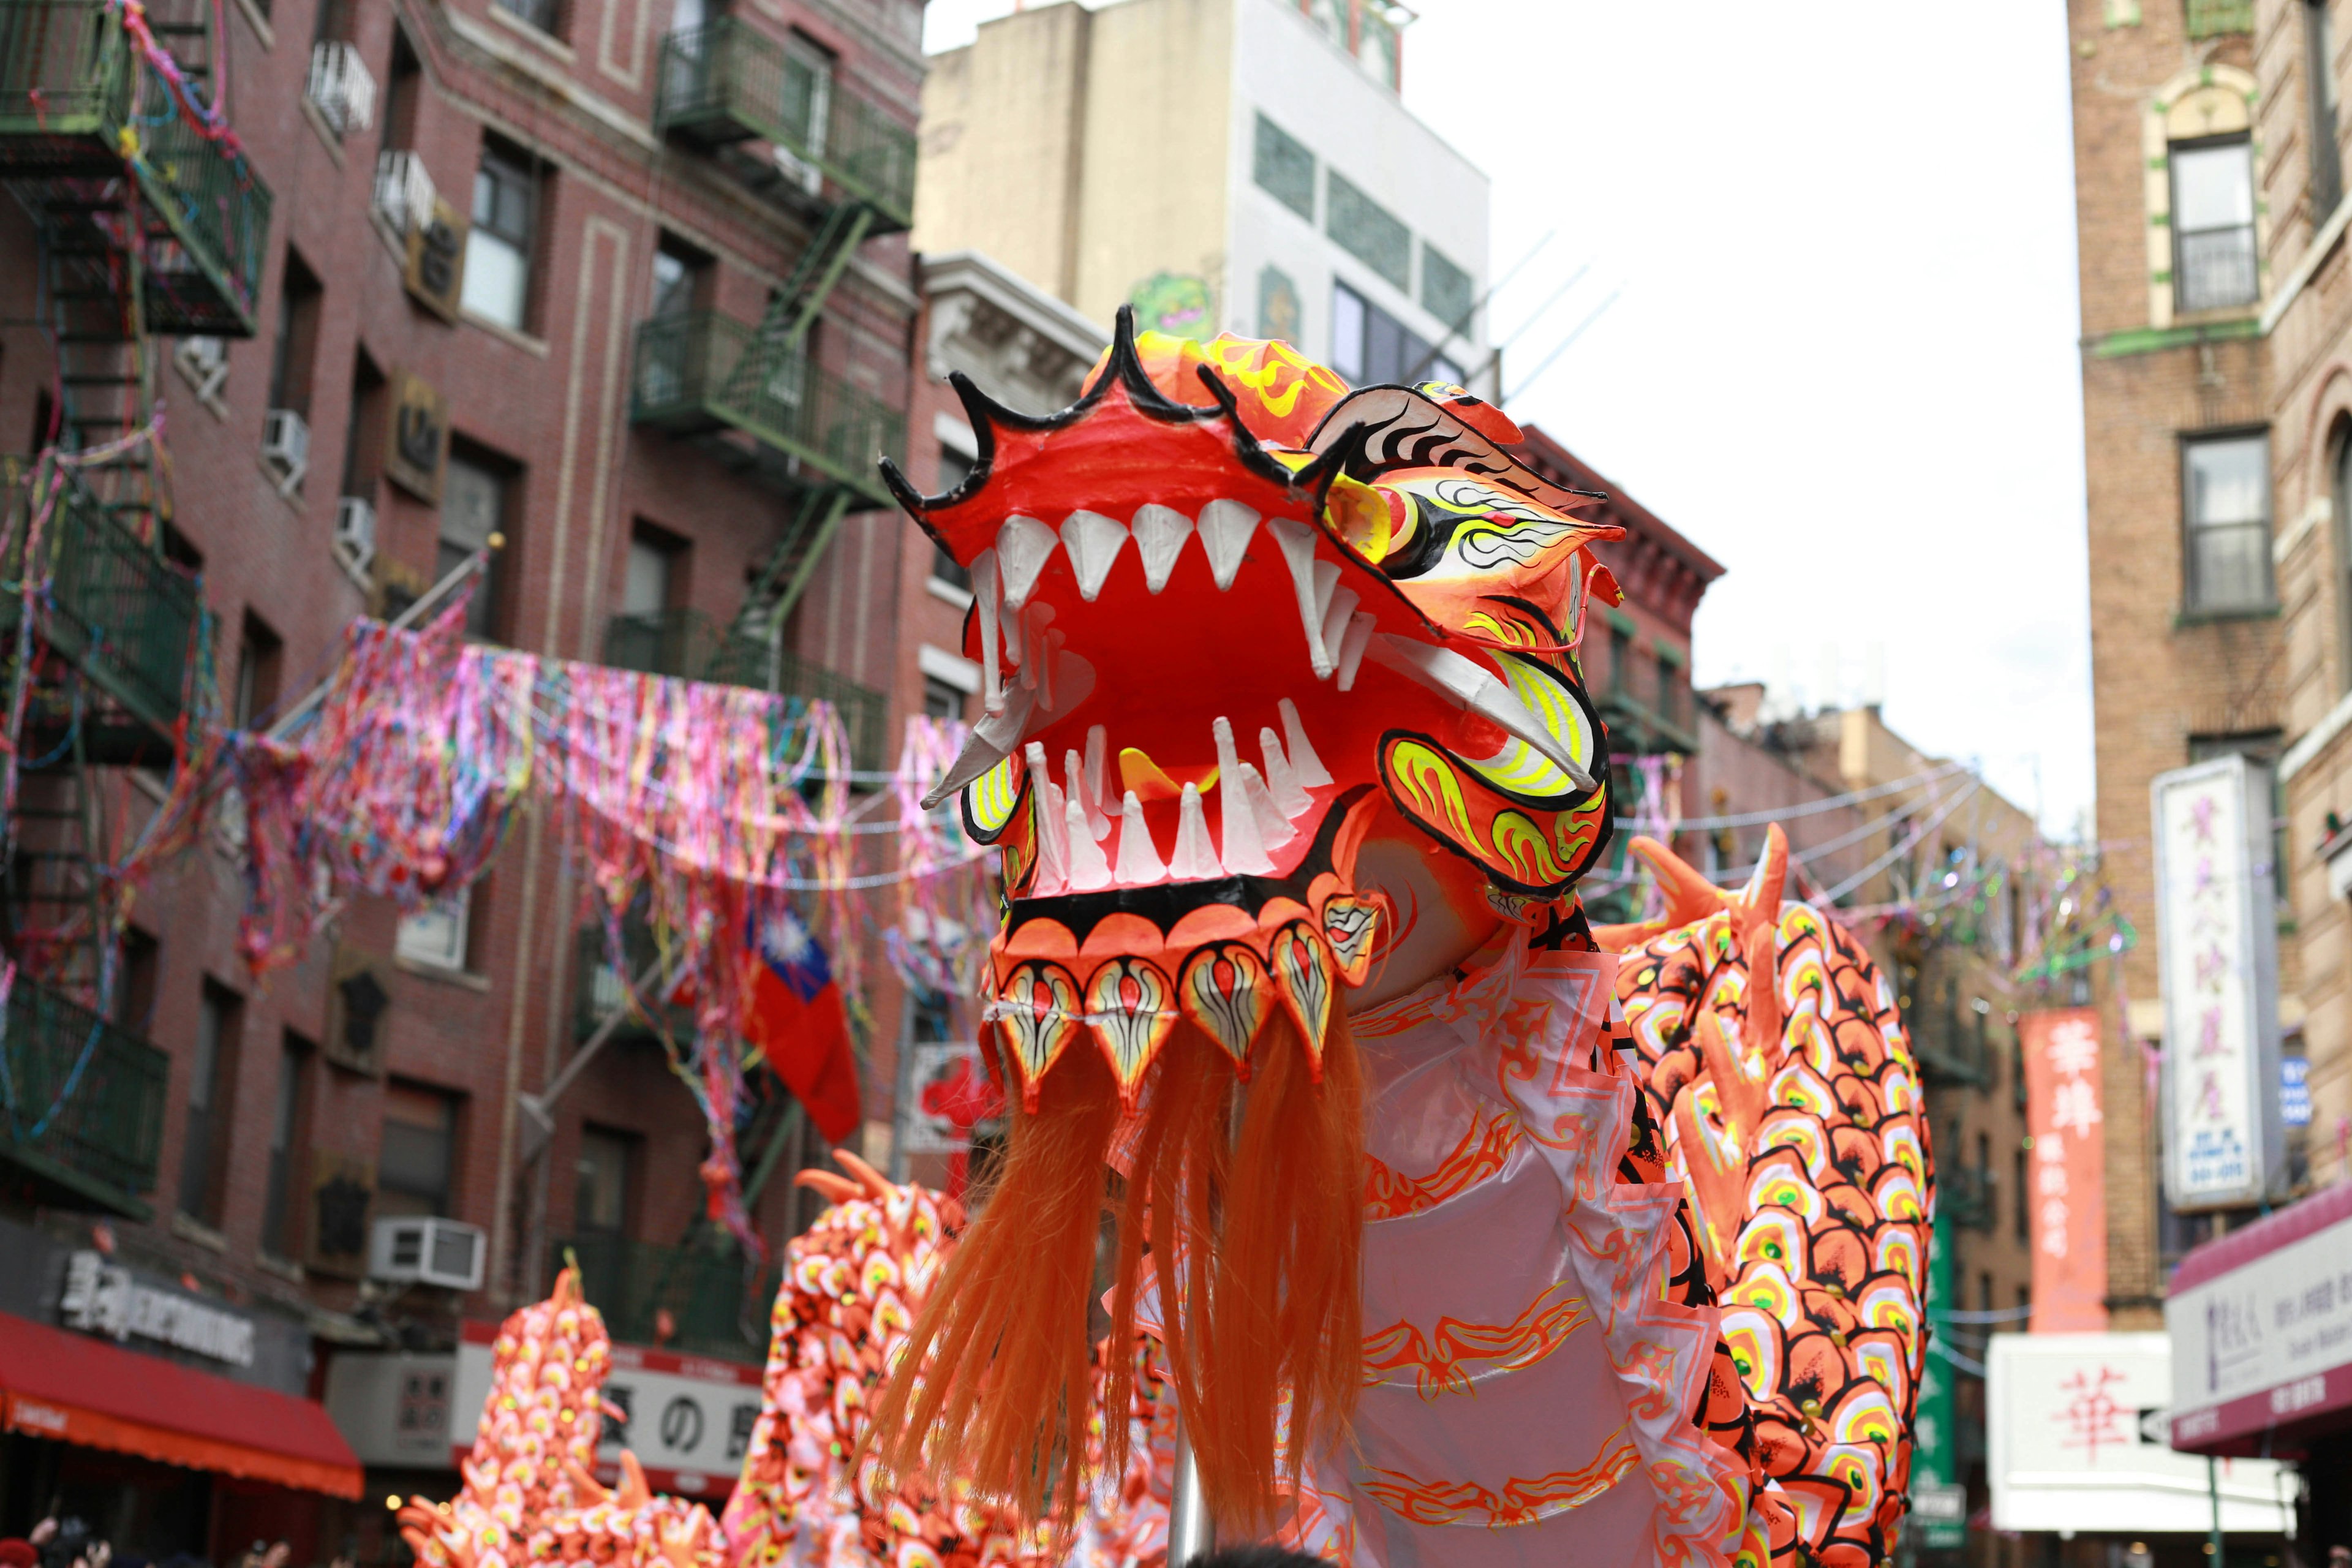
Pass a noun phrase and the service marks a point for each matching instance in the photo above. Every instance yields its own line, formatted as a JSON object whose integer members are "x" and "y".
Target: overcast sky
{"x": 1843, "y": 359}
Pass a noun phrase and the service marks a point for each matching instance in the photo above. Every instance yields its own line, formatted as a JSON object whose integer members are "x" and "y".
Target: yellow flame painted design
{"x": 991, "y": 798}
{"x": 1523, "y": 849}
{"x": 1425, "y": 778}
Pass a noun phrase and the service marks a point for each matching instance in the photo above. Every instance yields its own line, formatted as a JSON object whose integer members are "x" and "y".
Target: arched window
{"x": 2339, "y": 496}
{"x": 2207, "y": 222}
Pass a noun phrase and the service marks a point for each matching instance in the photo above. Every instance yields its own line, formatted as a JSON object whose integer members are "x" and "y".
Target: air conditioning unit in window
{"x": 205, "y": 362}
{"x": 341, "y": 88}
{"x": 286, "y": 448}
{"x": 426, "y": 1252}
{"x": 403, "y": 191}
{"x": 354, "y": 538}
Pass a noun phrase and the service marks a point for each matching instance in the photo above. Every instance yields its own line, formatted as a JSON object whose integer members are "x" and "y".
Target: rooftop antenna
{"x": 1565, "y": 345}
{"x": 1420, "y": 366}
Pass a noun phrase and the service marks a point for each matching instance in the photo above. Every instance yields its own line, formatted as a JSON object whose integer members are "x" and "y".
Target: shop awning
{"x": 76, "y": 1389}
{"x": 2261, "y": 1321}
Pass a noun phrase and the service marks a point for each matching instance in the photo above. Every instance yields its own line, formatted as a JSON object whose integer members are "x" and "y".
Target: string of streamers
{"x": 687, "y": 805}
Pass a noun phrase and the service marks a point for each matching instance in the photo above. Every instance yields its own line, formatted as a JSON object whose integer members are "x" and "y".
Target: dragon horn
{"x": 837, "y": 1189}
{"x": 1690, "y": 895}
{"x": 876, "y": 1184}
{"x": 1761, "y": 897}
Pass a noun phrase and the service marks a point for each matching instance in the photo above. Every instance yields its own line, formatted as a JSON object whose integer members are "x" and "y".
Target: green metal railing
{"x": 699, "y": 370}
{"x": 84, "y": 1107}
{"x": 64, "y": 87}
{"x": 67, "y": 106}
{"x": 690, "y": 645}
{"x": 710, "y": 1296}
{"x": 2208, "y": 17}
{"x": 1964, "y": 1194}
{"x": 123, "y": 615}
{"x": 205, "y": 278}
{"x": 726, "y": 81}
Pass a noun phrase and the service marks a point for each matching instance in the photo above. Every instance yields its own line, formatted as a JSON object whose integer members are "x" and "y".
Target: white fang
{"x": 1280, "y": 782}
{"x": 1297, "y": 541}
{"x": 1245, "y": 851}
{"x": 1089, "y": 872}
{"x": 1305, "y": 766}
{"x": 1024, "y": 545}
{"x": 1160, "y": 535}
{"x": 1093, "y": 542}
{"x": 1225, "y": 530}
{"x": 1140, "y": 865}
{"x": 1196, "y": 857}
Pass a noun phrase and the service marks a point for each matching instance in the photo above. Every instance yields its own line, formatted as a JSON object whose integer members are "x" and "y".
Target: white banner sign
{"x": 2268, "y": 1343}
{"x": 2217, "y": 948}
{"x": 2068, "y": 1450}
{"x": 690, "y": 1417}
{"x": 104, "y": 1297}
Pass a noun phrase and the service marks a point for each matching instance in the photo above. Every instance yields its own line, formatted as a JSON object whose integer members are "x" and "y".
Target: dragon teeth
{"x": 1196, "y": 857}
{"x": 1297, "y": 541}
{"x": 1351, "y": 648}
{"x": 1226, "y": 527}
{"x": 1244, "y": 849}
{"x": 1305, "y": 766}
{"x": 1023, "y": 546}
{"x": 1160, "y": 535}
{"x": 1289, "y": 798}
{"x": 1140, "y": 865}
{"x": 1093, "y": 542}
{"x": 1090, "y": 871}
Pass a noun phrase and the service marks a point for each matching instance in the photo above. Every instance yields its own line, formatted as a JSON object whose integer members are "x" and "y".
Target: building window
{"x": 1371, "y": 347}
{"x": 278, "y": 1210}
{"x": 1286, "y": 169}
{"x": 473, "y": 508}
{"x": 655, "y": 574}
{"x": 600, "y": 1201}
{"x": 947, "y": 573}
{"x": 439, "y": 935}
{"x": 212, "y": 1080}
{"x": 416, "y": 1167}
{"x": 261, "y": 652}
{"x": 1379, "y": 47}
{"x": 1447, "y": 292}
{"x": 497, "y": 247}
{"x": 134, "y": 993}
{"x": 955, "y": 467}
{"x": 2341, "y": 496}
{"x": 681, "y": 278}
{"x": 1621, "y": 660}
{"x": 2209, "y": 18}
{"x": 941, "y": 701}
{"x": 545, "y": 14}
{"x": 2021, "y": 1214}
{"x": 2213, "y": 258}
{"x": 2319, "y": 82}
{"x": 1368, "y": 231}
{"x": 2227, "y": 485}
{"x": 299, "y": 296}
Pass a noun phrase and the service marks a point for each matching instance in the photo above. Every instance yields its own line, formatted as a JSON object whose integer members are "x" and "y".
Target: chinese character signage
{"x": 2265, "y": 1346}
{"x": 2067, "y": 1446}
{"x": 2065, "y": 1174}
{"x": 2217, "y": 937}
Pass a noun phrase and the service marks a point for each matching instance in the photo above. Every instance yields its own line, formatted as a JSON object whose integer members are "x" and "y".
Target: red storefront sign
{"x": 2066, "y": 1181}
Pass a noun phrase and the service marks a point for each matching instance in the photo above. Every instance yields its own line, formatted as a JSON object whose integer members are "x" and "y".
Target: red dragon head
{"x": 1214, "y": 637}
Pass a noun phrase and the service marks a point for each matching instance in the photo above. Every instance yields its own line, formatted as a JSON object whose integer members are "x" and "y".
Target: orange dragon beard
{"x": 1241, "y": 1246}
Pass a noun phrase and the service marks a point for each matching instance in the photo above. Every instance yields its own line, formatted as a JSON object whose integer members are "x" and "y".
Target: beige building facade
{"x": 2187, "y": 240}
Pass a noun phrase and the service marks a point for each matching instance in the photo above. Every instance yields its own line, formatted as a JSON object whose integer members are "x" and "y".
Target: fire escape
{"x": 149, "y": 223}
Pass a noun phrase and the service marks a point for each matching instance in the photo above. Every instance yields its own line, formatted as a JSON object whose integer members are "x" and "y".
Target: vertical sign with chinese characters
{"x": 2217, "y": 936}
{"x": 2066, "y": 1181}
{"x": 1939, "y": 1502}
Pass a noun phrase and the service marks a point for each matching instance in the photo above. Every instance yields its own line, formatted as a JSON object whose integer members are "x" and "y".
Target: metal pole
{"x": 402, "y": 622}
{"x": 1191, "y": 1531}
{"x": 2213, "y": 1493}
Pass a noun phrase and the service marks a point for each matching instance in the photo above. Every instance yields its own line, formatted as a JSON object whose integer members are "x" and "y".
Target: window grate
{"x": 2208, "y": 17}
{"x": 1285, "y": 168}
{"x": 1445, "y": 289}
{"x": 1369, "y": 232}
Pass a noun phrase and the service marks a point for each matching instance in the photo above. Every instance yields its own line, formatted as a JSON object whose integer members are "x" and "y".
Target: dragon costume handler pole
{"x": 1191, "y": 1531}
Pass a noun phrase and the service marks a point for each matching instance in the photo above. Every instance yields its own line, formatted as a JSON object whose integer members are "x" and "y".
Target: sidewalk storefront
{"x": 159, "y": 1455}
{"x": 2261, "y": 1324}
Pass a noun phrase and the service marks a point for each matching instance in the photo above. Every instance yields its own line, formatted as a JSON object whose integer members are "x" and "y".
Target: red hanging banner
{"x": 2066, "y": 1173}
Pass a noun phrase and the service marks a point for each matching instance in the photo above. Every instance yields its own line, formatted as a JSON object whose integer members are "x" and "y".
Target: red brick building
{"x": 623, "y": 283}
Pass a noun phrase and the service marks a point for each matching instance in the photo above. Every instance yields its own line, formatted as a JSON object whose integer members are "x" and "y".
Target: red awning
{"x": 77, "y": 1389}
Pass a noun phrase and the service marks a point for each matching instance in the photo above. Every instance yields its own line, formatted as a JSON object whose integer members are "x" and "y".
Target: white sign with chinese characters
{"x": 102, "y": 1298}
{"x": 2216, "y": 941}
{"x": 2068, "y": 1448}
{"x": 2267, "y": 1342}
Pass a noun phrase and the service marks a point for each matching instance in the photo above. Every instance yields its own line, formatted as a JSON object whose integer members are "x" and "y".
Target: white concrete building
{"x": 1243, "y": 165}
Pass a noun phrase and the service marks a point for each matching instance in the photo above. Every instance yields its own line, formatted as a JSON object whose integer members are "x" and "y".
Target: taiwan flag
{"x": 793, "y": 1012}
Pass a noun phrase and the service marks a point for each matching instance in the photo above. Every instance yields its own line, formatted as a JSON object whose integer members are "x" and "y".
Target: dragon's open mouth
{"x": 1200, "y": 652}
